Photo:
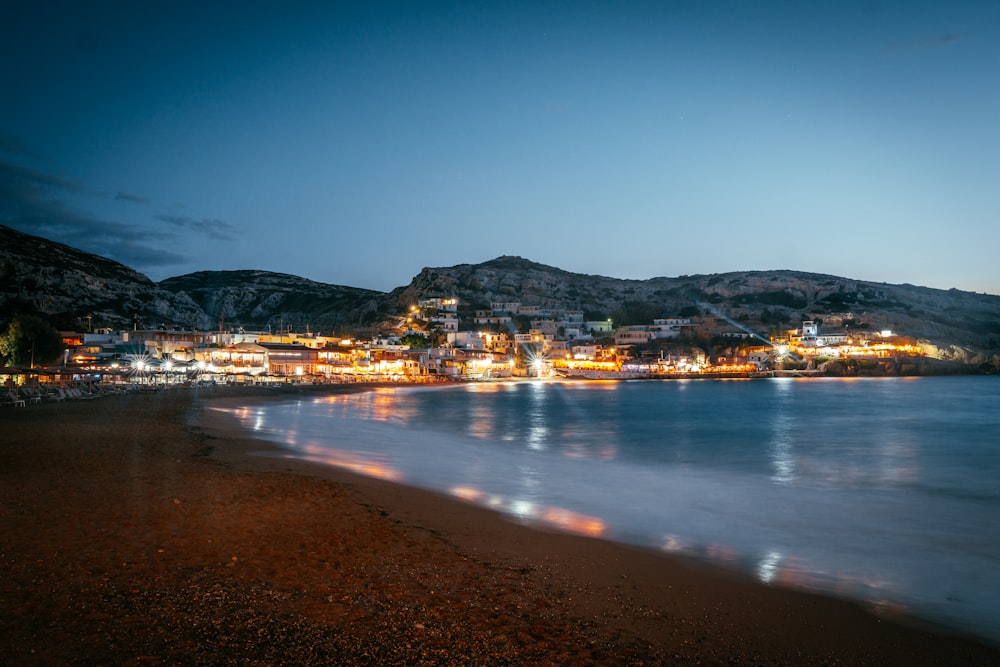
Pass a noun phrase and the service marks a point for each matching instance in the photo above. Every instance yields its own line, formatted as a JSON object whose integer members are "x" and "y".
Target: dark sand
{"x": 140, "y": 530}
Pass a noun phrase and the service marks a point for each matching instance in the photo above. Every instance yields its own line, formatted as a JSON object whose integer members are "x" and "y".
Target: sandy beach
{"x": 145, "y": 529}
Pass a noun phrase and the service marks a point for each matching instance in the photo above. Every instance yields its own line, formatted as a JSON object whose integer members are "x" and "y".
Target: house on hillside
{"x": 441, "y": 304}
{"x": 669, "y": 327}
{"x": 599, "y": 327}
{"x": 635, "y": 334}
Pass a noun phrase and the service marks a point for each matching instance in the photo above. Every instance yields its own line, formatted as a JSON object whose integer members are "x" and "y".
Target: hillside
{"x": 72, "y": 289}
{"x": 258, "y": 299}
{"x": 964, "y": 325}
{"x": 75, "y": 289}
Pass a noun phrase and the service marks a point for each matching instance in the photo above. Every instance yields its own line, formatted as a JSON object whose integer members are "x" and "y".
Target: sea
{"x": 884, "y": 491}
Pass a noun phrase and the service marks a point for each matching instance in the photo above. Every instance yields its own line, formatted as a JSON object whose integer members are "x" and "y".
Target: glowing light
{"x": 767, "y": 569}
{"x": 673, "y": 544}
{"x": 139, "y": 363}
{"x": 574, "y": 522}
{"x": 467, "y": 493}
{"x": 352, "y": 462}
{"x": 523, "y": 509}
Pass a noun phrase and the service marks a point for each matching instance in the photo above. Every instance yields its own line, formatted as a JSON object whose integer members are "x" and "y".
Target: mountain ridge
{"x": 70, "y": 287}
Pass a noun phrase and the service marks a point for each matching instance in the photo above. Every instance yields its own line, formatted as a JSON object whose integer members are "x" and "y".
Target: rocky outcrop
{"x": 261, "y": 299}
{"x": 74, "y": 289}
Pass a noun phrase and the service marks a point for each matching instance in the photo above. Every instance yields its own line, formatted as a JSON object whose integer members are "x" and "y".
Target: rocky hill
{"x": 72, "y": 288}
{"x": 259, "y": 299}
{"x": 964, "y": 326}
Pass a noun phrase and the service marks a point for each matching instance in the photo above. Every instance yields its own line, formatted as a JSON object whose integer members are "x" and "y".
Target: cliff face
{"x": 258, "y": 299}
{"x": 38, "y": 276}
{"x": 71, "y": 288}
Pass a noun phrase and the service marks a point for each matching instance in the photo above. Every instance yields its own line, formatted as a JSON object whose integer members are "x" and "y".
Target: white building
{"x": 468, "y": 340}
{"x": 509, "y": 307}
{"x": 669, "y": 327}
{"x": 446, "y": 323}
{"x": 599, "y": 327}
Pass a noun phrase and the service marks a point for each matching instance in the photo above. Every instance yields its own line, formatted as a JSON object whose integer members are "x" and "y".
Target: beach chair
{"x": 30, "y": 395}
{"x": 16, "y": 401}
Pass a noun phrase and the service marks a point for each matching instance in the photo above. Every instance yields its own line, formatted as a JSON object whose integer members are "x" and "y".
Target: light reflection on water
{"x": 782, "y": 452}
{"x": 538, "y": 431}
{"x": 882, "y": 490}
{"x": 356, "y": 463}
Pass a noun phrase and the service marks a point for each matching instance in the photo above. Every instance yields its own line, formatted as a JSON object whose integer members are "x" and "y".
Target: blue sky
{"x": 356, "y": 143}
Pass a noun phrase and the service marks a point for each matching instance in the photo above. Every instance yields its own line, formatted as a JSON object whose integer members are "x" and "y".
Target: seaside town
{"x": 432, "y": 343}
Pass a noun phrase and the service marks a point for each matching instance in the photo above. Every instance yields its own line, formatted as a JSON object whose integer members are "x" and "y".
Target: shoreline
{"x": 146, "y": 529}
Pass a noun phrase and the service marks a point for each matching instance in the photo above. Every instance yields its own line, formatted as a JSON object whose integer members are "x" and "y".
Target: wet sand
{"x": 143, "y": 529}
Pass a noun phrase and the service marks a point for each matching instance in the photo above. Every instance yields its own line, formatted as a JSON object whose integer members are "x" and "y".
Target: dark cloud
{"x": 930, "y": 42}
{"x": 219, "y": 230}
{"x": 139, "y": 253}
{"x": 29, "y": 183}
{"x": 15, "y": 147}
{"x": 135, "y": 199}
{"x": 129, "y": 244}
{"x": 31, "y": 202}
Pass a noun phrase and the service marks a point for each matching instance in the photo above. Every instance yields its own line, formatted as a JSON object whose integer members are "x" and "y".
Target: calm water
{"x": 884, "y": 490}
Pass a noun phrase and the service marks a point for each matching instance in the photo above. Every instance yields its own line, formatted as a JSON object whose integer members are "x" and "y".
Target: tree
{"x": 30, "y": 340}
{"x": 636, "y": 312}
{"x": 522, "y": 323}
{"x": 689, "y": 311}
{"x": 415, "y": 341}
